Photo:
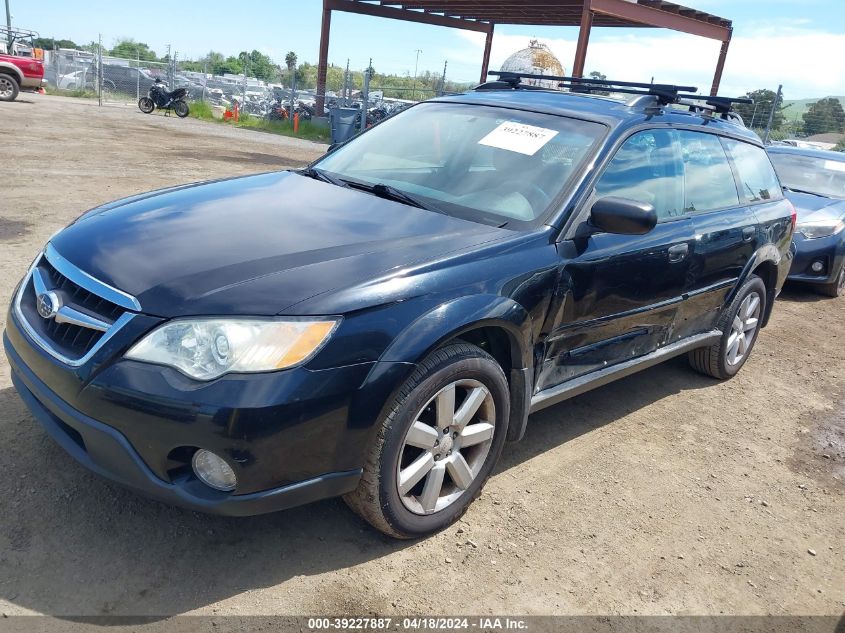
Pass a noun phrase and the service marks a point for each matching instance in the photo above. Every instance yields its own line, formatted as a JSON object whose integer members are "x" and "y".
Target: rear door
{"x": 725, "y": 189}
{"x": 621, "y": 293}
{"x": 725, "y": 229}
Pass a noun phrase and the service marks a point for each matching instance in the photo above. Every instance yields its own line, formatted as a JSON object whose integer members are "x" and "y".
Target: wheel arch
{"x": 10, "y": 69}
{"x": 498, "y": 325}
{"x": 765, "y": 264}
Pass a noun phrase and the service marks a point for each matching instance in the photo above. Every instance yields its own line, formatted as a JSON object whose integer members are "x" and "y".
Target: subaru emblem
{"x": 48, "y": 304}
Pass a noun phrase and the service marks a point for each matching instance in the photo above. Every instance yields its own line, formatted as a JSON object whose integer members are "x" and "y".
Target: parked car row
{"x": 379, "y": 324}
{"x": 815, "y": 184}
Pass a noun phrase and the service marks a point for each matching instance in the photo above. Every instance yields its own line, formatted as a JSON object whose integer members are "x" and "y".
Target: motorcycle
{"x": 160, "y": 97}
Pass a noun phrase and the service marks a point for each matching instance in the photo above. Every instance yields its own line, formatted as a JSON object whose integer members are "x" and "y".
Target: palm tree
{"x": 290, "y": 60}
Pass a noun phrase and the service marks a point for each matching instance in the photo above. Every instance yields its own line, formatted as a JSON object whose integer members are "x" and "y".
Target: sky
{"x": 797, "y": 43}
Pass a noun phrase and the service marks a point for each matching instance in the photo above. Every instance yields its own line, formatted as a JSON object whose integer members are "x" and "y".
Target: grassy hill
{"x": 796, "y": 107}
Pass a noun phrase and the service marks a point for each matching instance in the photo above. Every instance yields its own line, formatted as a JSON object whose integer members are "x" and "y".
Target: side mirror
{"x": 623, "y": 216}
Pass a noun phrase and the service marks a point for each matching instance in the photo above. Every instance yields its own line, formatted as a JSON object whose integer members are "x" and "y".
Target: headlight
{"x": 205, "y": 349}
{"x": 820, "y": 228}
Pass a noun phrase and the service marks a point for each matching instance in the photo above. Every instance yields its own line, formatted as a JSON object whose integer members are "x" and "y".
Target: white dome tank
{"x": 537, "y": 59}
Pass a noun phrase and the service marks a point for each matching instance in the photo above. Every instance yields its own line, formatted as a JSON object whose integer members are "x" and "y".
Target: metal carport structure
{"x": 483, "y": 16}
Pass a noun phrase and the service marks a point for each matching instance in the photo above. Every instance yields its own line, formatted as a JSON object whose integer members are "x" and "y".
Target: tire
{"x": 181, "y": 109}
{"x": 835, "y": 289}
{"x": 146, "y": 105}
{"x": 719, "y": 360}
{"x": 9, "y": 88}
{"x": 475, "y": 378}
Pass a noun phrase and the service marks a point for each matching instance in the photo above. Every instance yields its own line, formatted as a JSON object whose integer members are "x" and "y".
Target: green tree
{"x": 756, "y": 115}
{"x": 259, "y": 65}
{"x": 601, "y": 77}
{"x": 49, "y": 44}
{"x": 130, "y": 49}
{"x": 840, "y": 146}
{"x": 825, "y": 115}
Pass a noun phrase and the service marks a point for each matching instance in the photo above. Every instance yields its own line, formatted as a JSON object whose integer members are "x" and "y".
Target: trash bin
{"x": 343, "y": 122}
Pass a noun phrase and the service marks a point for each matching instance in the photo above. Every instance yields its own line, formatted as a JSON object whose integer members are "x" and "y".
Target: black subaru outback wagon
{"x": 378, "y": 325}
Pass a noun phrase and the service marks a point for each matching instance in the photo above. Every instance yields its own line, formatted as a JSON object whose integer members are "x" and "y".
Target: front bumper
{"x": 109, "y": 454}
{"x": 829, "y": 250}
{"x": 292, "y": 437}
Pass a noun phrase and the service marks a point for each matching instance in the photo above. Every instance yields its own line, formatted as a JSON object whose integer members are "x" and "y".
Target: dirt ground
{"x": 664, "y": 493}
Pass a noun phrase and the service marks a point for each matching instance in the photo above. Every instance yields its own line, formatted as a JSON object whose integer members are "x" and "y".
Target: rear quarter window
{"x": 756, "y": 177}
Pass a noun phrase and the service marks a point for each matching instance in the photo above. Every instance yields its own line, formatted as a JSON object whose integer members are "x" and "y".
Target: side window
{"x": 757, "y": 178}
{"x": 708, "y": 179}
{"x": 647, "y": 169}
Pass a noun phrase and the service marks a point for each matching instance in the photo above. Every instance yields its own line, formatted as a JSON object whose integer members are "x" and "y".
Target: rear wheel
{"x": 181, "y": 109}
{"x": 9, "y": 88}
{"x": 437, "y": 445}
{"x": 146, "y": 105}
{"x": 740, "y": 324}
{"x": 835, "y": 289}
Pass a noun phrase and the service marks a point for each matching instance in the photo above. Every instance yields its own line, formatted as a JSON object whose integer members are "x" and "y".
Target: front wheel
{"x": 437, "y": 445}
{"x": 740, "y": 324}
{"x": 835, "y": 289}
{"x": 181, "y": 109}
{"x": 146, "y": 105}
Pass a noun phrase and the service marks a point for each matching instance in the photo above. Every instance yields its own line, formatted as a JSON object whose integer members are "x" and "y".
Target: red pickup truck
{"x": 19, "y": 72}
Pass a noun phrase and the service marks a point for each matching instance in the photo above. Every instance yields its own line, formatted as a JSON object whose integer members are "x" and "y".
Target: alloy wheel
{"x": 744, "y": 328}
{"x": 6, "y": 88}
{"x": 446, "y": 446}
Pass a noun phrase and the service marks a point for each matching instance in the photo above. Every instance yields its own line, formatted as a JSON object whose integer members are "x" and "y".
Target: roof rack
{"x": 663, "y": 94}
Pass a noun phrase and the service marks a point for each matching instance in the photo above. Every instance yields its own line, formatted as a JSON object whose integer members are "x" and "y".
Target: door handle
{"x": 748, "y": 233}
{"x": 678, "y": 253}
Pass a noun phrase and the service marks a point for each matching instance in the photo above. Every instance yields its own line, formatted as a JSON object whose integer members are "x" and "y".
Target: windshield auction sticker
{"x": 518, "y": 137}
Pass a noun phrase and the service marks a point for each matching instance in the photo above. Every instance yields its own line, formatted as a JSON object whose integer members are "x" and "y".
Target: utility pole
{"x": 347, "y": 91}
{"x": 9, "y": 25}
{"x": 365, "y": 95}
{"x": 100, "y": 69}
{"x": 443, "y": 79}
{"x": 416, "y": 70}
{"x": 772, "y": 114}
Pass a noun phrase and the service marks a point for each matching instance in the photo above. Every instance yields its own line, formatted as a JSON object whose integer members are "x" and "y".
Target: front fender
{"x": 451, "y": 319}
{"x": 446, "y": 322}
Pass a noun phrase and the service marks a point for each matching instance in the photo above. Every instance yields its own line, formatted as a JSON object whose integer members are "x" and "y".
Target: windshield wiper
{"x": 392, "y": 193}
{"x": 319, "y": 174}
{"x": 812, "y": 193}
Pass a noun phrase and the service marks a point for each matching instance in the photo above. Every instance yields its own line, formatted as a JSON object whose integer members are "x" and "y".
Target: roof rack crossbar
{"x": 588, "y": 80}
{"x": 665, "y": 94}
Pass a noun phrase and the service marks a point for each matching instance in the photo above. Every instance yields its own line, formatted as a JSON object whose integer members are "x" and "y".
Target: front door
{"x": 621, "y": 293}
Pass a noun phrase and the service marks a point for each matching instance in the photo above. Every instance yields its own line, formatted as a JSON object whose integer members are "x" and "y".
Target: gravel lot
{"x": 664, "y": 493}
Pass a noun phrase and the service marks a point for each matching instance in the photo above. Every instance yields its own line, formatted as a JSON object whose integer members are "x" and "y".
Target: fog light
{"x": 213, "y": 470}
{"x": 817, "y": 266}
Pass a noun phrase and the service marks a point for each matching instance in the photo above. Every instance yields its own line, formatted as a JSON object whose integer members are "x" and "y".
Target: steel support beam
{"x": 651, "y": 16}
{"x": 381, "y": 11}
{"x": 720, "y": 66}
{"x": 485, "y": 62}
{"x": 583, "y": 39}
{"x": 323, "y": 63}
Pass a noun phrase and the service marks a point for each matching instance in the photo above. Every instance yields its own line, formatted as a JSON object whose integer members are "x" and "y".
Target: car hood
{"x": 811, "y": 208}
{"x": 255, "y": 245}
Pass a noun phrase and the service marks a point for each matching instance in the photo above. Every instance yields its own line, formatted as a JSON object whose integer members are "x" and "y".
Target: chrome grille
{"x": 67, "y": 312}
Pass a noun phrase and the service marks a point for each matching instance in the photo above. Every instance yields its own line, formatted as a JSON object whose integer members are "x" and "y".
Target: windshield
{"x": 488, "y": 164}
{"x": 812, "y": 174}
